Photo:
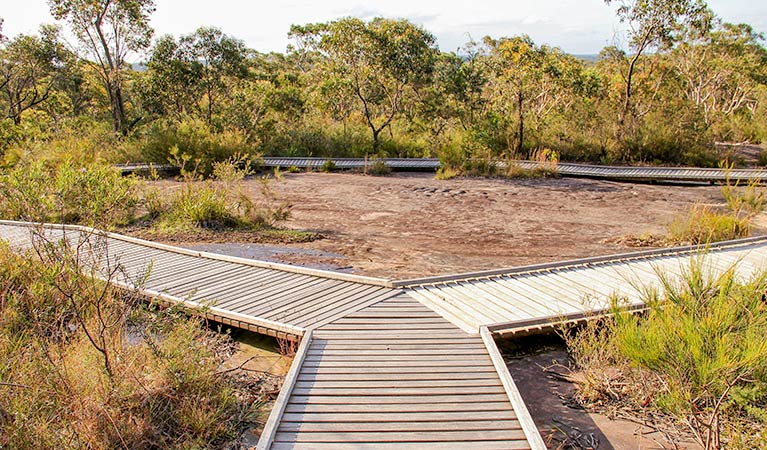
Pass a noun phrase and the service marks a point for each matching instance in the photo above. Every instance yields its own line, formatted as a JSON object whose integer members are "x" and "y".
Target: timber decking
{"x": 275, "y": 299}
{"x": 382, "y": 364}
{"x": 397, "y": 375}
{"x": 627, "y": 173}
{"x": 670, "y": 174}
{"x": 524, "y": 299}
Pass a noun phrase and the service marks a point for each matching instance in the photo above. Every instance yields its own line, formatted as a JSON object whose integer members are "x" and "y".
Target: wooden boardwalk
{"x": 627, "y": 173}
{"x": 387, "y": 364}
{"x": 269, "y": 298}
{"x": 526, "y": 299}
{"x": 624, "y": 173}
{"x": 396, "y": 375}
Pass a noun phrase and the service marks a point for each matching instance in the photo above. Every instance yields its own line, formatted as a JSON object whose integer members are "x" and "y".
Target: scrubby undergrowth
{"x": 84, "y": 365}
{"x": 702, "y": 224}
{"x": 97, "y": 195}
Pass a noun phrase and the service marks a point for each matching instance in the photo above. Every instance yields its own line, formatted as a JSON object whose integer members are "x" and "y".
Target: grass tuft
{"x": 702, "y": 224}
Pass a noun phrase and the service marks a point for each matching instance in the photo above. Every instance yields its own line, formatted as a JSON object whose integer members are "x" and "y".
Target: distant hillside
{"x": 592, "y": 58}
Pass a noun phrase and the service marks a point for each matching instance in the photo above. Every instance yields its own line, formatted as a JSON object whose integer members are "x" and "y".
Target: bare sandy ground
{"x": 410, "y": 225}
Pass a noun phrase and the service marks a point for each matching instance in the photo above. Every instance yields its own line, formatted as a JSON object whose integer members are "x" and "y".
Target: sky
{"x": 577, "y": 26}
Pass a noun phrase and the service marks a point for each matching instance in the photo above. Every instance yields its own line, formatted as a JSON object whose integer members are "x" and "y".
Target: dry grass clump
{"x": 704, "y": 224}
{"x": 217, "y": 203}
{"x": 696, "y": 360}
{"x": 84, "y": 365}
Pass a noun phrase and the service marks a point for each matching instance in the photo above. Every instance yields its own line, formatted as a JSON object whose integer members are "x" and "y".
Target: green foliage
{"x": 377, "y": 168}
{"x": 194, "y": 138}
{"x": 702, "y": 224}
{"x": 93, "y": 195}
{"x": 84, "y": 141}
{"x": 109, "y": 31}
{"x": 217, "y": 203}
{"x": 374, "y": 62}
{"x": 698, "y": 354}
{"x": 328, "y": 166}
{"x": 84, "y": 364}
{"x": 744, "y": 201}
{"x": 194, "y": 75}
{"x": 30, "y": 66}
{"x": 686, "y": 81}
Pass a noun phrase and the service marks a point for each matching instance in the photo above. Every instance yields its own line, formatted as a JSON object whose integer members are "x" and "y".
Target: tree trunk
{"x": 118, "y": 109}
{"x": 112, "y": 80}
{"x": 376, "y": 142}
{"x": 521, "y": 117}
{"x": 627, "y": 99}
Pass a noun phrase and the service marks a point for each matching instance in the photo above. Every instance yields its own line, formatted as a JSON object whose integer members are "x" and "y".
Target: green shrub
{"x": 196, "y": 139}
{"x": 94, "y": 195}
{"x": 204, "y": 205}
{"x": 698, "y": 355}
{"x": 378, "y": 168}
{"x": 328, "y": 166}
{"x": 744, "y": 201}
{"x": 220, "y": 202}
{"x": 81, "y": 141}
{"x": 762, "y": 159}
{"x": 702, "y": 224}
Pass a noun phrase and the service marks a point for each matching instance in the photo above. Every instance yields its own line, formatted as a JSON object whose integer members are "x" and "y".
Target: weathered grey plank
{"x": 473, "y": 445}
{"x": 442, "y": 416}
{"x": 475, "y": 425}
{"x": 400, "y": 436}
{"x": 366, "y": 400}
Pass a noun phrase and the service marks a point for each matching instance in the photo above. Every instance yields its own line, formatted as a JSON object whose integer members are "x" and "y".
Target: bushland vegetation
{"x": 99, "y": 196}
{"x": 86, "y": 365}
{"x": 683, "y": 80}
{"x": 692, "y": 365}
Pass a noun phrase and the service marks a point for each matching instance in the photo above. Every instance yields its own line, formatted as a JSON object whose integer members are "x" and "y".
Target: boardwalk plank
{"x": 401, "y": 436}
{"x": 477, "y": 425}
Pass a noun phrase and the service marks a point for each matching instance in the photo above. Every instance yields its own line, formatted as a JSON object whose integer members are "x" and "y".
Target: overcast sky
{"x": 577, "y": 26}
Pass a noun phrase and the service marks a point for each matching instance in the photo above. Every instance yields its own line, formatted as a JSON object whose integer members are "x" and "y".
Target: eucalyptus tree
{"x": 655, "y": 25}
{"x": 455, "y": 95}
{"x": 30, "y": 67}
{"x": 376, "y": 62}
{"x": 722, "y": 71}
{"x": 194, "y": 74}
{"x": 530, "y": 81}
{"x": 109, "y": 31}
